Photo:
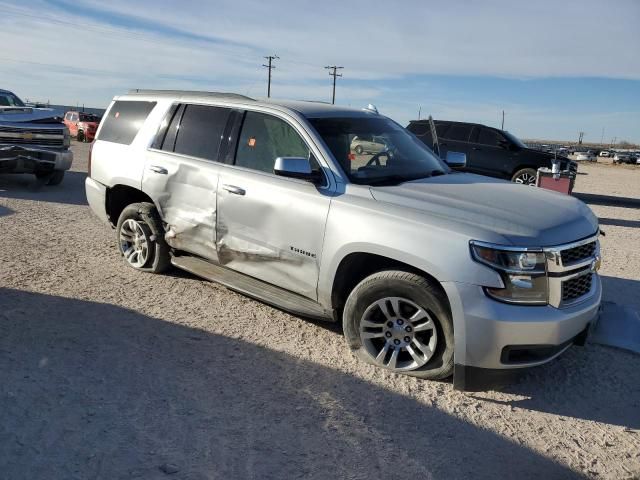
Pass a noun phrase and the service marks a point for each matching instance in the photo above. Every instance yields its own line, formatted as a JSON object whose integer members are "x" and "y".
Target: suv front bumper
{"x": 490, "y": 335}
{"x": 18, "y": 159}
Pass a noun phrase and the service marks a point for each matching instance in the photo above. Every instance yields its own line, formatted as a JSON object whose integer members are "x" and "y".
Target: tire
{"x": 376, "y": 318}
{"x": 525, "y": 176}
{"x": 359, "y": 149}
{"x": 51, "y": 178}
{"x": 80, "y": 137}
{"x": 140, "y": 238}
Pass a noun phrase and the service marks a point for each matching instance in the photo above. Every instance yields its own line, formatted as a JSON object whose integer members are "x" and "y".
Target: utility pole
{"x": 581, "y": 136}
{"x": 502, "y": 120}
{"x": 419, "y": 111}
{"x": 334, "y": 74}
{"x": 270, "y": 67}
{"x": 602, "y": 138}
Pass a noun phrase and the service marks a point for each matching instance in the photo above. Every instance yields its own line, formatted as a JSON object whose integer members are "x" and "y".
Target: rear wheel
{"x": 140, "y": 238}
{"x": 401, "y": 322}
{"x": 80, "y": 137}
{"x": 359, "y": 149}
{"x": 526, "y": 176}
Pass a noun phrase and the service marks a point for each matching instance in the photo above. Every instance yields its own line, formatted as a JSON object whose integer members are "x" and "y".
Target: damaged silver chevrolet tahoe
{"x": 32, "y": 140}
{"x": 431, "y": 272}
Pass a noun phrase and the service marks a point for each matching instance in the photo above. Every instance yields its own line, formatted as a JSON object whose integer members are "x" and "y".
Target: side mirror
{"x": 296, "y": 167}
{"x": 456, "y": 159}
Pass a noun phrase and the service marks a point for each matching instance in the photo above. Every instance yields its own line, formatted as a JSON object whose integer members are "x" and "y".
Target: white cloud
{"x": 376, "y": 41}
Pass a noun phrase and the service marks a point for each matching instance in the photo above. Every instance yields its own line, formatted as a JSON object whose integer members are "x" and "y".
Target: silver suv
{"x": 431, "y": 272}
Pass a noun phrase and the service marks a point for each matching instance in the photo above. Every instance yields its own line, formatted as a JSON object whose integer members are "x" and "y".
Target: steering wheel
{"x": 375, "y": 160}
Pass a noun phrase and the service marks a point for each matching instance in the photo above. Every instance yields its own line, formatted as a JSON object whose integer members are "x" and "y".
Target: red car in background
{"x": 82, "y": 125}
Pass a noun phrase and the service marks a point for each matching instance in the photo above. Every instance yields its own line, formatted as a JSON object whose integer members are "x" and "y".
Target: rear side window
{"x": 201, "y": 131}
{"x": 419, "y": 128}
{"x": 124, "y": 120}
{"x": 264, "y": 138}
{"x": 459, "y": 133}
{"x": 489, "y": 137}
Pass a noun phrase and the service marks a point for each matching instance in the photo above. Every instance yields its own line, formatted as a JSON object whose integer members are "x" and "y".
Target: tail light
{"x": 89, "y": 160}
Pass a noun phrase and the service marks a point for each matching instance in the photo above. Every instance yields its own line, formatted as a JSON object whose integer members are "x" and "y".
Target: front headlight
{"x": 523, "y": 272}
{"x": 67, "y": 137}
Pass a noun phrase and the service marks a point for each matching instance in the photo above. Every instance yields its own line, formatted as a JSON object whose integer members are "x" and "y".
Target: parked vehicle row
{"x": 432, "y": 272}
{"x": 32, "y": 140}
{"x": 489, "y": 151}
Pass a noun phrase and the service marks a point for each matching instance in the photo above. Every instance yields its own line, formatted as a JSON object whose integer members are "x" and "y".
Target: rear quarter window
{"x": 124, "y": 120}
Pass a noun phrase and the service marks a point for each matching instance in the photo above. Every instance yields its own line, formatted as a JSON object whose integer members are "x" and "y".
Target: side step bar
{"x": 252, "y": 287}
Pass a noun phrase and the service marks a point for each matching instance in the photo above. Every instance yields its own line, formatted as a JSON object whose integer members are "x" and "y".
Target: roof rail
{"x": 182, "y": 92}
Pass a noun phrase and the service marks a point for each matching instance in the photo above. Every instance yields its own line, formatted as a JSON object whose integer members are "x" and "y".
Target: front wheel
{"x": 80, "y": 137}
{"x": 526, "y": 176}
{"x": 401, "y": 322}
{"x": 140, "y": 238}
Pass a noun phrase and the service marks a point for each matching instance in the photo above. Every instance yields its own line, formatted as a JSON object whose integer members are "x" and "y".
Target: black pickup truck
{"x": 32, "y": 140}
{"x": 489, "y": 151}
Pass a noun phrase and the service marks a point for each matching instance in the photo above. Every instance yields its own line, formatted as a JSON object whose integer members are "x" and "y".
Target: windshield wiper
{"x": 397, "y": 179}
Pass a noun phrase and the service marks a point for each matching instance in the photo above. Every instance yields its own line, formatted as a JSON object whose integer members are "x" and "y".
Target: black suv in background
{"x": 491, "y": 152}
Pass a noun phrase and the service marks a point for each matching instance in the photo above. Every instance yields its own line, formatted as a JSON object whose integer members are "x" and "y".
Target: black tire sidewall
{"x": 145, "y": 214}
{"x": 416, "y": 289}
{"x": 523, "y": 170}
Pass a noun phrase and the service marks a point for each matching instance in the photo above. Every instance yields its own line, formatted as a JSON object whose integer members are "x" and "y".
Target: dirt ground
{"x": 108, "y": 373}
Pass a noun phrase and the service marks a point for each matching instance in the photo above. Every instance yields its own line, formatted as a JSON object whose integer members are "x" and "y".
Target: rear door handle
{"x": 233, "y": 189}
{"x": 158, "y": 169}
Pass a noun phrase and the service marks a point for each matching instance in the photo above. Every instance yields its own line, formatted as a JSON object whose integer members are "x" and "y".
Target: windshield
{"x": 10, "y": 100}
{"x": 514, "y": 139}
{"x": 376, "y": 151}
{"x": 88, "y": 117}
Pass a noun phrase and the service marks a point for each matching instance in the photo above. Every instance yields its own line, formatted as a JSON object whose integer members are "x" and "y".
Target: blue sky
{"x": 556, "y": 68}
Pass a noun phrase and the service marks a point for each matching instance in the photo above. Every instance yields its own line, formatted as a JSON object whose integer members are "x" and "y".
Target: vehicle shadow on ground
{"x": 591, "y": 382}
{"x": 608, "y": 200}
{"x": 27, "y": 187}
{"x": 4, "y": 211}
{"x": 92, "y": 390}
{"x": 617, "y": 222}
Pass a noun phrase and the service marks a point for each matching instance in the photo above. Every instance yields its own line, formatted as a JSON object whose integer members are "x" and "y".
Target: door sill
{"x": 252, "y": 287}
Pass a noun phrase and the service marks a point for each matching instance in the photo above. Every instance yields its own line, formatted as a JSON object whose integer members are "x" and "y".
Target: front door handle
{"x": 233, "y": 189}
{"x": 158, "y": 169}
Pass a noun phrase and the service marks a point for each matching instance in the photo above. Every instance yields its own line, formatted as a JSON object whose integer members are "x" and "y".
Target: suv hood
{"x": 28, "y": 114}
{"x": 523, "y": 216}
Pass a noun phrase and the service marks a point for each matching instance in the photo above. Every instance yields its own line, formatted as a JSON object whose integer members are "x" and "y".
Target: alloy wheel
{"x": 398, "y": 334}
{"x": 526, "y": 179}
{"x": 134, "y": 243}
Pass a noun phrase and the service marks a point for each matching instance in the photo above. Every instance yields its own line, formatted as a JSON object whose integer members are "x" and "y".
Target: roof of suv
{"x": 312, "y": 109}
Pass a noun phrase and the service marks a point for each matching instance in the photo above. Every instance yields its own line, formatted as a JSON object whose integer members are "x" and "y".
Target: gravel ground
{"x": 108, "y": 373}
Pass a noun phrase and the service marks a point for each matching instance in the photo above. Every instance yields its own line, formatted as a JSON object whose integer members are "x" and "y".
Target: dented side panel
{"x": 186, "y": 198}
{"x": 274, "y": 231}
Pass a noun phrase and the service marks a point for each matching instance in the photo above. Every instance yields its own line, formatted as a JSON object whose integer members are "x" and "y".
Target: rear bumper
{"x": 96, "y": 197}
{"x": 499, "y": 336}
{"x": 15, "y": 159}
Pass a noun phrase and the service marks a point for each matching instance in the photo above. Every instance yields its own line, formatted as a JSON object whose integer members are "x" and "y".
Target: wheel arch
{"x": 119, "y": 196}
{"x": 356, "y": 266}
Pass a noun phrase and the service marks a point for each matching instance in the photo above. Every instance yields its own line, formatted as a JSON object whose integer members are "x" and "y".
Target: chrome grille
{"x": 47, "y": 137}
{"x": 570, "y": 271}
{"x": 576, "y": 287}
{"x": 45, "y": 131}
{"x": 578, "y": 254}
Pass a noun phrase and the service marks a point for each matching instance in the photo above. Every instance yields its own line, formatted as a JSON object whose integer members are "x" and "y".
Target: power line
{"x": 334, "y": 74}
{"x": 270, "y": 67}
